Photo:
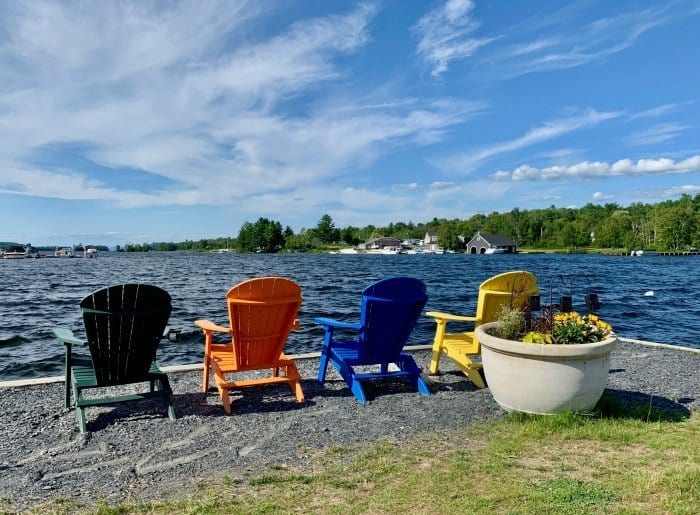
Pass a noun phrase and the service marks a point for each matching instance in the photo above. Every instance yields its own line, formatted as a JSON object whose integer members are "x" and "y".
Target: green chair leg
{"x": 80, "y": 417}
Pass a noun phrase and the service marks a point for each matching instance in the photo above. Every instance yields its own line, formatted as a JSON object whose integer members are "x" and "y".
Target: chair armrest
{"x": 448, "y": 316}
{"x": 211, "y": 326}
{"x": 66, "y": 337}
{"x": 329, "y": 322}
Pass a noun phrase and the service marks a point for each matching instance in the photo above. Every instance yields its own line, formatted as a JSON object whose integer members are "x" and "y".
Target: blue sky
{"x": 137, "y": 122}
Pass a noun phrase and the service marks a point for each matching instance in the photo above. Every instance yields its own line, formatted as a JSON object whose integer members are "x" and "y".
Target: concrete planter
{"x": 544, "y": 379}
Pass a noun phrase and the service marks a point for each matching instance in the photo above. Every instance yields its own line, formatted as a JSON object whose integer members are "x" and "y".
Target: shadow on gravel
{"x": 269, "y": 399}
{"x": 453, "y": 380}
{"x": 624, "y": 404}
{"x": 123, "y": 414}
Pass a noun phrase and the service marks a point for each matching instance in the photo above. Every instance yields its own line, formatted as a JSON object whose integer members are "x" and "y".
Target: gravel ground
{"x": 135, "y": 453}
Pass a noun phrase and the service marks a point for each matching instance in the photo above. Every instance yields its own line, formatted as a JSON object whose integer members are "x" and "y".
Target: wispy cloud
{"x": 570, "y": 37}
{"x": 656, "y": 111}
{"x": 677, "y": 191}
{"x": 445, "y": 35}
{"x": 598, "y": 169}
{"x": 192, "y": 99}
{"x": 657, "y": 134}
{"x": 661, "y": 194}
{"x": 547, "y": 131}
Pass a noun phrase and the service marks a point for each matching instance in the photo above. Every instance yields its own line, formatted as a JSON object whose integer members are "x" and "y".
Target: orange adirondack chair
{"x": 261, "y": 312}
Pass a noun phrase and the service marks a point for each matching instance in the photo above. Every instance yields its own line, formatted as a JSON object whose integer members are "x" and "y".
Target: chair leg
{"x": 348, "y": 376}
{"x": 422, "y": 385}
{"x": 357, "y": 390}
{"x": 164, "y": 384}
{"x": 68, "y": 388}
{"x": 323, "y": 366}
{"x": 296, "y": 388}
{"x": 79, "y": 410}
{"x": 292, "y": 373}
{"x": 225, "y": 400}
{"x": 205, "y": 375}
{"x": 80, "y": 417}
{"x": 437, "y": 344}
{"x": 435, "y": 359}
{"x": 408, "y": 364}
{"x": 475, "y": 374}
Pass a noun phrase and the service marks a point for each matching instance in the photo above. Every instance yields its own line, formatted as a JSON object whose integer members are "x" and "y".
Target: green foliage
{"x": 302, "y": 242}
{"x": 262, "y": 236}
{"x": 511, "y": 323}
{"x": 569, "y": 333}
{"x": 326, "y": 231}
{"x": 671, "y": 225}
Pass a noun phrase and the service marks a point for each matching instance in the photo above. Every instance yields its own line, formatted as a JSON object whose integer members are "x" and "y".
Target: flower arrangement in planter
{"x": 561, "y": 328}
{"x": 553, "y": 363}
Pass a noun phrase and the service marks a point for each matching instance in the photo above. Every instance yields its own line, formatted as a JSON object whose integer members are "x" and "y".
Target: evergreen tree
{"x": 326, "y": 231}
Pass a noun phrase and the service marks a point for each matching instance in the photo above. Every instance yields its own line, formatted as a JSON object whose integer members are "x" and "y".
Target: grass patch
{"x": 619, "y": 459}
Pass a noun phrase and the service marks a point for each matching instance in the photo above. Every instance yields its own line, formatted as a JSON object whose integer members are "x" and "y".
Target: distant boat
{"x": 17, "y": 252}
{"x": 65, "y": 252}
{"x": 90, "y": 252}
{"x": 348, "y": 251}
{"x": 637, "y": 253}
{"x": 495, "y": 250}
{"x": 14, "y": 252}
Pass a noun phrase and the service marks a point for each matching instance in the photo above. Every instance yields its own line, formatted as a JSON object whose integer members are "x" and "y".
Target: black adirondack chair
{"x": 124, "y": 325}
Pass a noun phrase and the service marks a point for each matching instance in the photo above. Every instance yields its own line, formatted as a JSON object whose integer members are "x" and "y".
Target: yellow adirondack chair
{"x": 262, "y": 312}
{"x": 510, "y": 288}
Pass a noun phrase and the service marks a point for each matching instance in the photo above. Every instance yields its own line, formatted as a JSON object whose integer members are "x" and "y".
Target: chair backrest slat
{"x": 262, "y": 313}
{"x": 124, "y": 325}
{"x": 508, "y": 289}
{"x": 390, "y": 311}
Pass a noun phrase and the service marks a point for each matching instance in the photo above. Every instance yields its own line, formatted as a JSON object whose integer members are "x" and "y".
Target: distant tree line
{"x": 672, "y": 225}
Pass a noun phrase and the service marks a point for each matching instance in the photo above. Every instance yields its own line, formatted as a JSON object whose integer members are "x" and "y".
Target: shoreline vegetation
{"x": 670, "y": 226}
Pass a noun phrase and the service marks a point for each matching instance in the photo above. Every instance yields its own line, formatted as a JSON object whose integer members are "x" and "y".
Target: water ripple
{"x": 42, "y": 294}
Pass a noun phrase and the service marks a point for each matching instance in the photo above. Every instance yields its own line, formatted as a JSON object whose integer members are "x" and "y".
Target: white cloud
{"x": 445, "y": 35}
{"x": 192, "y": 100}
{"x": 547, "y": 131}
{"x": 442, "y": 185}
{"x": 598, "y": 169}
{"x": 600, "y": 196}
{"x": 501, "y": 175}
{"x": 657, "y": 134}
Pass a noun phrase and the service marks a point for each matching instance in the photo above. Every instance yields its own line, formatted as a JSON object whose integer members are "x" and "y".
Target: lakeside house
{"x": 491, "y": 244}
{"x": 430, "y": 242}
{"x": 380, "y": 243}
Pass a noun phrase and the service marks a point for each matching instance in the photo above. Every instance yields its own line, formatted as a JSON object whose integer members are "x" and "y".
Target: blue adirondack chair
{"x": 390, "y": 311}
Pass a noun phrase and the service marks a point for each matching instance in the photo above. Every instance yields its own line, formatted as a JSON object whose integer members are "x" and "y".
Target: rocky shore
{"x": 133, "y": 452}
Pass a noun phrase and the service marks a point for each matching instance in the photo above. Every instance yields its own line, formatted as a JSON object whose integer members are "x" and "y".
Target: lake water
{"x": 39, "y": 294}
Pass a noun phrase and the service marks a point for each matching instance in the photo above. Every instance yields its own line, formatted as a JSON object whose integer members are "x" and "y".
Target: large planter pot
{"x": 544, "y": 379}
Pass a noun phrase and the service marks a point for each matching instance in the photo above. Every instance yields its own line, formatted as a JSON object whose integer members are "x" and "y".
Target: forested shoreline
{"x": 673, "y": 225}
